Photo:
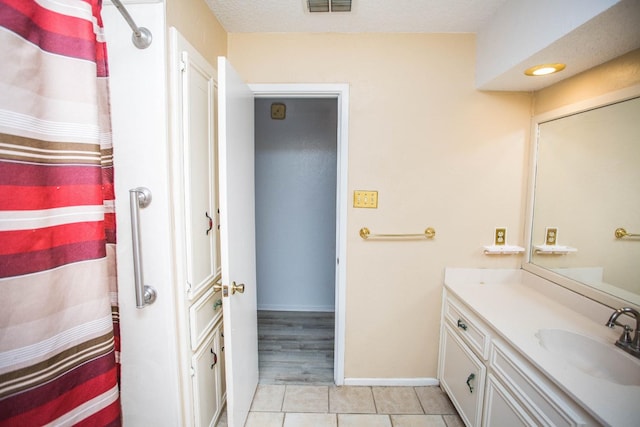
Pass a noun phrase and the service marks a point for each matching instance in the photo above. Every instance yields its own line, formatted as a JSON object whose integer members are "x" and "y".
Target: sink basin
{"x": 592, "y": 357}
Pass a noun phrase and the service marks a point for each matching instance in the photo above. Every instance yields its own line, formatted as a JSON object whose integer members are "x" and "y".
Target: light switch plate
{"x": 365, "y": 199}
{"x": 500, "y": 238}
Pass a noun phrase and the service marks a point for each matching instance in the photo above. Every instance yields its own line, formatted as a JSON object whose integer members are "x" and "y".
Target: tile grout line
{"x": 373, "y": 397}
{"x": 419, "y": 401}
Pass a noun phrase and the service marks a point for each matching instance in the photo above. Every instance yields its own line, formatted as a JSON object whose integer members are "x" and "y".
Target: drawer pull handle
{"x": 470, "y": 378}
{"x": 462, "y": 325}
{"x": 210, "y": 222}
{"x": 215, "y": 358}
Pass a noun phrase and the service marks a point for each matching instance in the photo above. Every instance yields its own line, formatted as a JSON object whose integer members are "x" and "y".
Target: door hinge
{"x": 192, "y": 371}
{"x": 338, "y": 261}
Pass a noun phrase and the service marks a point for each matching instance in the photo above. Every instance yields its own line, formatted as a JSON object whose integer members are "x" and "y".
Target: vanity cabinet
{"x": 490, "y": 383}
{"x": 462, "y": 370}
{"x": 529, "y": 389}
{"x": 462, "y": 376}
{"x": 501, "y": 408}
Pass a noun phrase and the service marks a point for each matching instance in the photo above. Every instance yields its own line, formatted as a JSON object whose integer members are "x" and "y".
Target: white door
{"x": 237, "y": 239}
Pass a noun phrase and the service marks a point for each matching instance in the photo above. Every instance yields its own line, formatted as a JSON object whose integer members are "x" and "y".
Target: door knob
{"x": 217, "y": 285}
{"x": 237, "y": 288}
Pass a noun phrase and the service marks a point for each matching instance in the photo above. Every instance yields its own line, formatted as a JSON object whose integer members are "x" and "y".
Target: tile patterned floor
{"x": 350, "y": 406}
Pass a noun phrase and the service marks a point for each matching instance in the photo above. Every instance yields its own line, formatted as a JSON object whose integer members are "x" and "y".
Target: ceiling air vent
{"x": 329, "y": 5}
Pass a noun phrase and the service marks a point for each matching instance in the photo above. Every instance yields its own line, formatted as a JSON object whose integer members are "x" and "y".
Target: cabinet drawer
{"x": 542, "y": 398}
{"x": 462, "y": 376}
{"x": 203, "y": 314}
{"x": 468, "y": 327}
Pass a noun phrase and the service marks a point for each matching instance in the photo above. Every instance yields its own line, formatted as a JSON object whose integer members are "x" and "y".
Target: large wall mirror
{"x": 586, "y": 186}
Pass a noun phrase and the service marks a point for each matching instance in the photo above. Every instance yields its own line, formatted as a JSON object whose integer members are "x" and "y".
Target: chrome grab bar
{"x": 141, "y": 36}
{"x": 139, "y": 198}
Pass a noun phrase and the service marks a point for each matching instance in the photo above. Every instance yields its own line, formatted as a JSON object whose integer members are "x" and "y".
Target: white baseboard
{"x": 386, "y": 382}
{"x": 275, "y": 307}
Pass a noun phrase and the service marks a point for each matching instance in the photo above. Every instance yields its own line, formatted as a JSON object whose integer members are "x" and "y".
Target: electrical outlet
{"x": 551, "y": 236}
{"x": 365, "y": 199}
{"x": 500, "y": 238}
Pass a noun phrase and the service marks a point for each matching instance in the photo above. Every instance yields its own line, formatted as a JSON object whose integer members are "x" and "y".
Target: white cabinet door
{"x": 198, "y": 128}
{"x": 205, "y": 382}
{"x": 462, "y": 377}
{"x": 502, "y": 409}
{"x": 237, "y": 240}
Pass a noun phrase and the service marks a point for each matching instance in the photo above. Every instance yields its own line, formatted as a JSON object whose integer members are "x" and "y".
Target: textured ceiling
{"x": 367, "y": 16}
{"x": 597, "y": 30}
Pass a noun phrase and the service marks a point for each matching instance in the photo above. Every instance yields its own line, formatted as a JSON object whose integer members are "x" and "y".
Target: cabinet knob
{"x": 462, "y": 325}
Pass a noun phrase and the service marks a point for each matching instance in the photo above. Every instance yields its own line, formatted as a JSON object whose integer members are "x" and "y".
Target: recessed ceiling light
{"x": 544, "y": 69}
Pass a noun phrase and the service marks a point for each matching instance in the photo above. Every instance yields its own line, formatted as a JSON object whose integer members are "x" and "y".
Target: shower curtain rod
{"x": 141, "y": 36}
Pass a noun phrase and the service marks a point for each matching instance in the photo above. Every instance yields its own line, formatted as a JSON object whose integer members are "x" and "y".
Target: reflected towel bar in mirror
{"x": 429, "y": 233}
{"x": 621, "y": 232}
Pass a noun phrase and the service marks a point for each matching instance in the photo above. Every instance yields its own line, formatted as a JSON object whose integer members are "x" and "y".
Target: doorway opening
{"x": 295, "y": 179}
{"x": 300, "y": 141}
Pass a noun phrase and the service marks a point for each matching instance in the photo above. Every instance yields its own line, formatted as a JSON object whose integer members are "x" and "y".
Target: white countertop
{"x": 517, "y": 311}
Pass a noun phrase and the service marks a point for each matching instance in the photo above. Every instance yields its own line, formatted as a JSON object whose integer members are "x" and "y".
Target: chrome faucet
{"x": 625, "y": 342}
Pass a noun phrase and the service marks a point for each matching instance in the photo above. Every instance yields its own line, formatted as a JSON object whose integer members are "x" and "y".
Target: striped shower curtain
{"x": 59, "y": 337}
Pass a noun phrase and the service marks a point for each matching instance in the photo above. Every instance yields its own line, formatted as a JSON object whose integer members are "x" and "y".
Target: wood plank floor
{"x": 295, "y": 347}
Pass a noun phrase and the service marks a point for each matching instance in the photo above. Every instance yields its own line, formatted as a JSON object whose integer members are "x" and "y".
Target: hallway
{"x": 295, "y": 347}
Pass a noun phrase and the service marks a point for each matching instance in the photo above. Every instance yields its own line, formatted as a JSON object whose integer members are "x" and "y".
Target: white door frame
{"x": 341, "y": 93}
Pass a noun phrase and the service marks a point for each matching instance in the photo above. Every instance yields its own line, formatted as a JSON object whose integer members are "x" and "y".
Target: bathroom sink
{"x": 592, "y": 357}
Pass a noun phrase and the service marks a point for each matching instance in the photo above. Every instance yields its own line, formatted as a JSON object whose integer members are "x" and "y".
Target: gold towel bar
{"x": 429, "y": 233}
{"x": 621, "y": 232}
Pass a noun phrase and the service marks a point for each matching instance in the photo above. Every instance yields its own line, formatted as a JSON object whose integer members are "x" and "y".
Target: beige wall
{"x": 199, "y": 26}
{"x": 439, "y": 152}
{"x": 617, "y": 74}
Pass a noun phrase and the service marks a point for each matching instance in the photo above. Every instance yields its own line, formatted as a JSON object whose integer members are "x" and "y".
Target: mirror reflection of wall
{"x": 587, "y": 185}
